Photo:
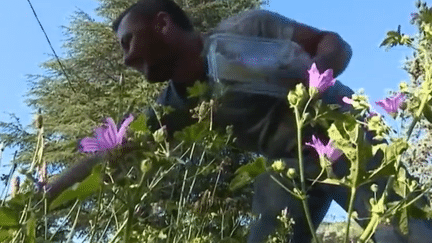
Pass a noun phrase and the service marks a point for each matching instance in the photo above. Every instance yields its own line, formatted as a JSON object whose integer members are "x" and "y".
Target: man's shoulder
{"x": 257, "y": 22}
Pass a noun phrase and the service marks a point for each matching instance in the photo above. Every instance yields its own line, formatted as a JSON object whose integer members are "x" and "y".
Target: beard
{"x": 159, "y": 72}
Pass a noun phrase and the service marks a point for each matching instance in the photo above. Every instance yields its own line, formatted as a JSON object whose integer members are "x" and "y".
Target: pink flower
{"x": 391, "y": 105}
{"x": 347, "y": 100}
{"x": 320, "y": 81}
{"x": 328, "y": 151}
{"x": 106, "y": 137}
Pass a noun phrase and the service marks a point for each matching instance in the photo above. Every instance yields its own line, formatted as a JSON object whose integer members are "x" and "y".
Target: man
{"x": 159, "y": 41}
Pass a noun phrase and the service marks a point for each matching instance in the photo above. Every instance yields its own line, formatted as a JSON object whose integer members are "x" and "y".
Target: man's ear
{"x": 162, "y": 23}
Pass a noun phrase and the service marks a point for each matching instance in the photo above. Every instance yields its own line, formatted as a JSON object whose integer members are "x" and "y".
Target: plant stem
{"x": 305, "y": 203}
{"x": 128, "y": 228}
{"x": 74, "y": 224}
{"x": 370, "y": 229}
{"x": 350, "y": 211}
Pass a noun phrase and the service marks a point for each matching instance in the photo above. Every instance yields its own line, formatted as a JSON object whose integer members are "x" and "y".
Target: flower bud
{"x": 374, "y": 187}
{"x": 278, "y": 166}
{"x": 145, "y": 165}
{"x": 15, "y": 183}
{"x": 39, "y": 121}
{"x": 403, "y": 106}
{"x": 298, "y": 96}
{"x": 291, "y": 173}
{"x": 354, "y": 215}
{"x": 159, "y": 135}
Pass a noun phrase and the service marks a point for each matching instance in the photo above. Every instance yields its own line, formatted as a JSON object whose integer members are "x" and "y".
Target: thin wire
{"x": 49, "y": 43}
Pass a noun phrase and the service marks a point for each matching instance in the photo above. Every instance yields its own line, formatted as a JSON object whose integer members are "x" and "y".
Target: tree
{"x": 73, "y": 98}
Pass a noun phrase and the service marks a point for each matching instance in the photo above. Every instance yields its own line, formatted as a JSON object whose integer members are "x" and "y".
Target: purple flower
{"x": 106, "y": 137}
{"x": 391, "y": 105}
{"x": 328, "y": 151}
{"x": 320, "y": 81}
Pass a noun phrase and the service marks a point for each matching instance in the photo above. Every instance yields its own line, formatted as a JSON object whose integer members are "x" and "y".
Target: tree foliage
{"x": 70, "y": 103}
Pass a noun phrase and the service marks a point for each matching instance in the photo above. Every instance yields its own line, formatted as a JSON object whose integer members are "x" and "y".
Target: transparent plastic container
{"x": 253, "y": 64}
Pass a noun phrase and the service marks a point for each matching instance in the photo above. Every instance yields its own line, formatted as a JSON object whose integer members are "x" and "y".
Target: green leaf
{"x": 6, "y": 235}
{"x": 31, "y": 228}
{"x": 247, "y": 173}
{"x": 8, "y": 217}
{"x": 240, "y": 180}
{"x": 427, "y": 112}
{"x": 394, "y": 151}
{"x": 255, "y": 168}
{"x": 399, "y": 185}
{"x": 140, "y": 124}
{"x": 193, "y": 133}
{"x": 337, "y": 133}
{"x": 80, "y": 190}
{"x": 198, "y": 89}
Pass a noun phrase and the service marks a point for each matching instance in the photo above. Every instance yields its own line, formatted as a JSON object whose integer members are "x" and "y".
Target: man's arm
{"x": 327, "y": 49}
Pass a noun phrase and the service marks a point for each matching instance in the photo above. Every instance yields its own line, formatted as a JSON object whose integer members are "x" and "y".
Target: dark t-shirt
{"x": 261, "y": 123}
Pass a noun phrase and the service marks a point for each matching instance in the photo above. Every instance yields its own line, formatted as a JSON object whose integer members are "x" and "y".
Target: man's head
{"x": 151, "y": 34}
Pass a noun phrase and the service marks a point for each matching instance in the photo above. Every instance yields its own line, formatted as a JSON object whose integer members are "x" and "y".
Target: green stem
{"x": 370, "y": 229}
{"x": 118, "y": 232}
{"x": 45, "y": 213}
{"x": 133, "y": 199}
{"x": 302, "y": 176}
{"x": 74, "y": 224}
{"x": 128, "y": 228}
{"x": 65, "y": 222}
{"x": 350, "y": 211}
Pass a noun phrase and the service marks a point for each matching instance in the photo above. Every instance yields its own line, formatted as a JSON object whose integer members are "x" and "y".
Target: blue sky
{"x": 362, "y": 24}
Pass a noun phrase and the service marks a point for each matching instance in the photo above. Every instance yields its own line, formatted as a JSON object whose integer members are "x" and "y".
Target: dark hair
{"x": 149, "y": 8}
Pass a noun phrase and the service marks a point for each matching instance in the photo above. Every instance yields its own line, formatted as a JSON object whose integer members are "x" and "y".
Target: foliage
{"x": 196, "y": 186}
{"x": 96, "y": 85}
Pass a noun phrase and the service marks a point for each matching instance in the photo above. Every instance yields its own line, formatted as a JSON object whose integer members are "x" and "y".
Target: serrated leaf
{"x": 140, "y": 124}
{"x": 8, "y": 217}
{"x": 198, "y": 89}
{"x": 341, "y": 141}
{"x": 80, "y": 190}
{"x": 193, "y": 133}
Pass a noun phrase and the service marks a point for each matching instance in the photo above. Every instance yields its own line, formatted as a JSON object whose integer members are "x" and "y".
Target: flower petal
{"x": 347, "y": 100}
{"x": 317, "y": 145}
{"x": 333, "y": 153}
{"x": 314, "y": 76}
{"x": 124, "y": 125}
{"x": 101, "y": 139}
{"x": 89, "y": 145}
{"x": 110, "y": 134}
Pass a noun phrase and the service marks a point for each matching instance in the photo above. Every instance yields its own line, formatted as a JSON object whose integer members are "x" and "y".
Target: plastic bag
{"x": 254, "y": 64}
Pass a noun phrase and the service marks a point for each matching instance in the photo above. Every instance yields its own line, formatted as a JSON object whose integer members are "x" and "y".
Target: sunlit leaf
{"x": 8, "y": 217}
{"x": 139, "y": 124}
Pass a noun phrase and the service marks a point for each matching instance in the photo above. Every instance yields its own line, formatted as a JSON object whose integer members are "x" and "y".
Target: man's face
{"x": 145, "y": 49}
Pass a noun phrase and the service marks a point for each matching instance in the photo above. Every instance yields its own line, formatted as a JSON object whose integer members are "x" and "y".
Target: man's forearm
{"x": 332, "y": 53}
